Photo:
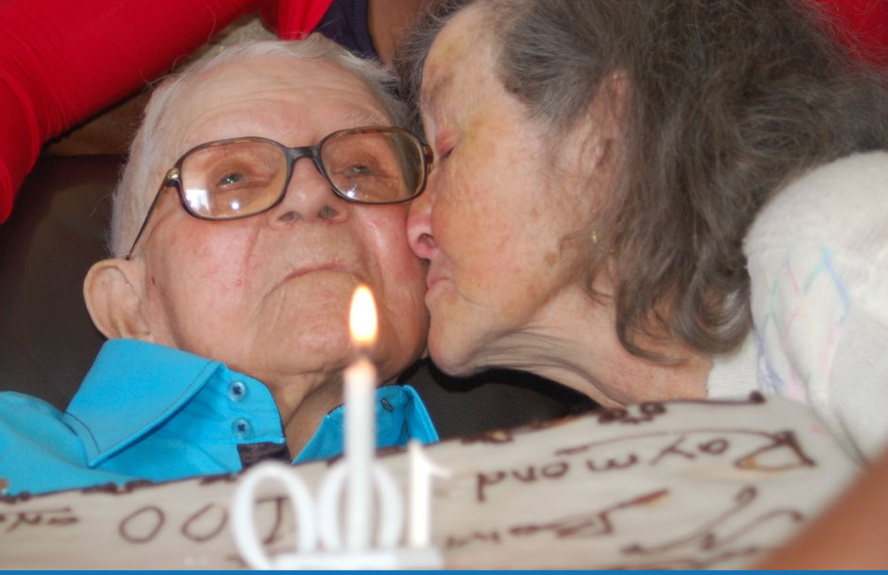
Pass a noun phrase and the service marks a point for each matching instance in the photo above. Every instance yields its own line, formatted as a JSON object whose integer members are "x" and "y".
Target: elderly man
{"x": 282, "y": 181}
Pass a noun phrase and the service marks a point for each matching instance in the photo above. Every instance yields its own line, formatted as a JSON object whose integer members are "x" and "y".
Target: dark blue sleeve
{"x": 346, "y": 23}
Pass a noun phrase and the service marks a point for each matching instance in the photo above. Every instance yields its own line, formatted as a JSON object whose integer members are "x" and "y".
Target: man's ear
{"x": 113, "y": 293}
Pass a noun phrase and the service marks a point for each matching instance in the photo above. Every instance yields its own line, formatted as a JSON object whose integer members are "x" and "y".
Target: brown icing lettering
{"x": 784, "y": 441}
{"x": 280, "y": 505}
{"x": 142, "y": 525}
{"x": 714, "y": 447}
{"x": 497, "y": 437}
{"x": 779, "y": 451}
{"x": 707, "y": 536}
{"x": 611, "y": 463}
{"x": 647, "y": 413}
{"x": 672, "y": 449}
{"x": 484, "y": 480}
{"x": 117, "y": 489}
{"x": 58, "y": 517}
{"x": 555, "y": 470}
{"x": 593, "y": 524}
{"x": 488, "y": 537}
{"x": 527, "y": 477}
{"x": 206, "y": 523}
{"x": 689, "y": 562}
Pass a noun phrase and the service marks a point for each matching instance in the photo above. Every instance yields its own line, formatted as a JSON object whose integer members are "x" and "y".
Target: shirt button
{"x": 241, "y": 428}
{"x": 237, "y": 391}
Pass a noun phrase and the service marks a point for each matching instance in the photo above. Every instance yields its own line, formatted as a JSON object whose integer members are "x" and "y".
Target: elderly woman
{"x": 598, "y": 167}
{"x": 262, "y": 188}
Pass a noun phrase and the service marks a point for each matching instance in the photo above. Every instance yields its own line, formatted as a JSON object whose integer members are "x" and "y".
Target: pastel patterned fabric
{"x": 818, "y": 259}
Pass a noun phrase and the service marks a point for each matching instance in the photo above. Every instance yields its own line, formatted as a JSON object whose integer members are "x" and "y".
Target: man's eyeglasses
{"x": 242, "y": 177}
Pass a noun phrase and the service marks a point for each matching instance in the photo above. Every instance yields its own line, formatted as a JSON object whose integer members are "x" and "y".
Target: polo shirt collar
{"x": 132, "y": 387}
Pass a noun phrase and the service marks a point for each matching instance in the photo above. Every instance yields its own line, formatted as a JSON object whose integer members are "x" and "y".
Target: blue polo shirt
{"x": 151, "y": 412}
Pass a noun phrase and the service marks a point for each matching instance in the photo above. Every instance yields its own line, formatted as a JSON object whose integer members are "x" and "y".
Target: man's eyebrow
{"x": 365, "y": 118}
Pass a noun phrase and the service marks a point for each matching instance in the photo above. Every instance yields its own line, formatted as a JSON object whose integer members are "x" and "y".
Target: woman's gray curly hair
{"x": 727, "y": 100}
{"x": 154, "y": 148}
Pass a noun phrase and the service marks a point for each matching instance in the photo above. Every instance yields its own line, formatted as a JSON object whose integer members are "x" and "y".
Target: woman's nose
{"x": 309, "y": 197}
{"x": 419, "y": 227}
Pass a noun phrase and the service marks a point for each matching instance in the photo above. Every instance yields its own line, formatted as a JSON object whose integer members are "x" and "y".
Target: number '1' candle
{"x": 360, "y": 423}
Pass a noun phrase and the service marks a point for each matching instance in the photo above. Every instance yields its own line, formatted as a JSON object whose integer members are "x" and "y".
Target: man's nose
{"x": 419, "y": 227}
{"x": 309, "y": 197}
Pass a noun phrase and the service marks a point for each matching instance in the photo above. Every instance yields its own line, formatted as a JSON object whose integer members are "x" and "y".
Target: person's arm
{"x": 386, "y": 20}
{"x": 862, "y": 25}
{"x": 62, "y": 61}
{"x": 850, "y": 534}
{"x": 389, "y": 21}
{"x": 292, "y": 19}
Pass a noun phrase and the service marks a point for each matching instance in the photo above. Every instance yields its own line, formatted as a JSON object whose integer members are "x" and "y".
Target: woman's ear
{"x": 604, "y": 124}
{"x": 113, "y": 294}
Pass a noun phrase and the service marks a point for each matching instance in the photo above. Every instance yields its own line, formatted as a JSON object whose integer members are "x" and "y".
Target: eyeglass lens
{"x": 237, "y": 178}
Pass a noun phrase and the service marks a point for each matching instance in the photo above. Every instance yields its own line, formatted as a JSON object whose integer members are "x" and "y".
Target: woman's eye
{"x": 444, "y": 143}
{"x": 443, "y": 148}
{"x": 441, "y": 156}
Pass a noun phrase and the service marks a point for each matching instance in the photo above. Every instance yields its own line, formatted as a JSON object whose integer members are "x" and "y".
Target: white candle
{"x": 422, "y": 470}
{"x": 360, "y": 425}
{"x": 420, "y": 497}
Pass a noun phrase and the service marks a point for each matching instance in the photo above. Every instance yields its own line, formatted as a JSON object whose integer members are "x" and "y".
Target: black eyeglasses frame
{"x": 173, "y": 177}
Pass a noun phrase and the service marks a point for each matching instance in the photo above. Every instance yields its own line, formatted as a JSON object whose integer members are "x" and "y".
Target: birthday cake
{"x": 660, "y": 485}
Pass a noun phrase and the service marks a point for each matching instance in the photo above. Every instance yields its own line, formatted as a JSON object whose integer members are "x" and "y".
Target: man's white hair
{"x": 153, "y": 149}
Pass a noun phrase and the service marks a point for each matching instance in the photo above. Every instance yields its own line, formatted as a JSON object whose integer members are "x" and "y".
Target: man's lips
{"x": 316, "y": 268}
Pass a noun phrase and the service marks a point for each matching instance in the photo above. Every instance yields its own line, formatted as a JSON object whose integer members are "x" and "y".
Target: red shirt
{"x": 61, "y": 61}
{"x": 862, "y": 25}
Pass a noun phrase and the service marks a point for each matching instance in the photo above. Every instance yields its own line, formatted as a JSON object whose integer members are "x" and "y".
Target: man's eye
{"x": 231, "y": 179}
{"x": 359, "y": 170}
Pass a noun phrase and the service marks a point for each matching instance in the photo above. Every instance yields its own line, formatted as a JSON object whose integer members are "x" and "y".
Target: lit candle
{"x": 360, "y": 424}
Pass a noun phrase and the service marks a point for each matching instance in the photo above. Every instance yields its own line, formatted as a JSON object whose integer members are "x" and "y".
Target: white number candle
{"x": 360, "y": 424}
{"x": 422, "y": 470}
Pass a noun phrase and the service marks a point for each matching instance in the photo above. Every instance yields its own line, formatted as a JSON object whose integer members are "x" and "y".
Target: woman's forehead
{"x": 459, "y": 39}
{"x": 461, "y": 50}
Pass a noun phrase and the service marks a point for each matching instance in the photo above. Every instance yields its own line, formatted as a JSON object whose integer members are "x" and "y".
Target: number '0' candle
{"x": 360, "y": 423}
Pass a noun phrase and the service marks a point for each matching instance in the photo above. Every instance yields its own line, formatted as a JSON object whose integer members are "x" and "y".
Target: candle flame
{"x": 362, "y": 319}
